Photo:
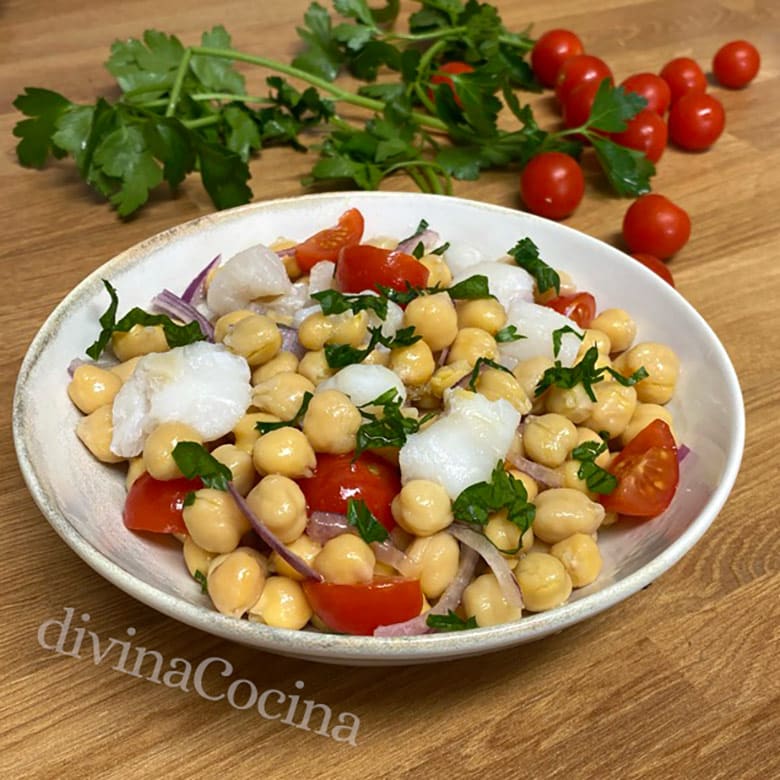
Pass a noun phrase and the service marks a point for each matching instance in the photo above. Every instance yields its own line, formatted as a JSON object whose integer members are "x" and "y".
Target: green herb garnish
{"x": 526, "y": 255}
{"x": 509, "y": 333}
{"x": 450, "y": 622}
{"x": 597, "y": 479}
{"x": 477, "y": 370}
{"x": 359, "y": 516}
{"x": 557, "y": 337}
{"x": 200, "y": 578}
{"x": 340, "y": 355}
{"x": 334, "y": 302}
{"x": 194, "y": 460}
{"x": 390, "y": 427}
{"x": 472, "y": 288}
{"x": 297, "y": 419}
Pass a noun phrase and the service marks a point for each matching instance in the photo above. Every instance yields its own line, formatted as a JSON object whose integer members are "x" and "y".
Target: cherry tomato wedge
{"x": 359, "y": 609}
{"x": 364, "y": 267}
{"x": 656, "y": 265}
{"x": 736, "y": 64}
{"x": 156, "y": 505}
{"x": 337, "y": 478}
{"x": 327, "y": 244}
{"x": 580, "y": 307}
{"x": 550, "y": 52}
{"x": 442, "y": 76}
{"x": 647, "y": 473}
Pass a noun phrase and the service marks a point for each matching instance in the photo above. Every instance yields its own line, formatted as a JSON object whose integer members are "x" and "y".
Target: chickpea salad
{"x": 378, "y": 436}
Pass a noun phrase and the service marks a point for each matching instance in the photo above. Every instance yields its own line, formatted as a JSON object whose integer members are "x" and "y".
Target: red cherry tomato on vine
{"x": 696, "y": 121}
{"x": 579, "y": 69}
{"x": 156, "y": 505}
{"x": 552, "y": 185}
{"x": 736, "y": 64}
{"x": 327, "y": 244}
{"x": 647, "y": 473}
{"x": 655, "y": 226}
{"x": 683, "y": 75}
{"x": 646, "y": 132}
{"x": 580, "y": 307}
{"x": 441, "y": 77}
{"x": 656, "y": 265}
{"x": 578, "y": 103}
{"x": 337, "y": 478}
{"x": 363, "y": 267}
{"x": 652, "y": 88}
{"x": 551, "y": 51}
{"x": 359, "y": 609}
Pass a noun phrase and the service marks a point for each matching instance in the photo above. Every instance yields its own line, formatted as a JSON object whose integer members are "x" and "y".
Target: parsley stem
{"x": 178, "y": 82}
{"x": 449, "y": 32}
{"x": 423, "y": 97}
{"x": 202, "y": 97}
{"x": 204, "y": 121}
{"x": 340, "y": 94}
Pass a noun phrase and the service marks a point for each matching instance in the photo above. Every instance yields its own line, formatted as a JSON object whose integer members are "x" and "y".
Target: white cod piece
{"x": 463, "y": 446}
{"x": 201, "y": 384}
{"x": 459, "y": 257}
{"x": 364, "y": 383}
{"x": 537, "y": 324}
{"x": 507, "y": 282}
{"x": 257, "y": 272}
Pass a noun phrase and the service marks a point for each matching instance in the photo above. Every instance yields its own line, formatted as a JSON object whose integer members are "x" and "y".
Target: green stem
{"x": 450, "y": 32}
{"x": 340, "y": 94}
{"x": 417, "y": 178}
{"x": 423, "y": 97}
{"x": 178, "y": 82}
{"x": 200, "y": 97}
{"x": 427, "y": 58}
{"x": 204, "y": 121}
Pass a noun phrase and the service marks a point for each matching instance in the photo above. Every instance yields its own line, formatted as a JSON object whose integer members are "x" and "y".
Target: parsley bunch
{"x": 185, "y": 109}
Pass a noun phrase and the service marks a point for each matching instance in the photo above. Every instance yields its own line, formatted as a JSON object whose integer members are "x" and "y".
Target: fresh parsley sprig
{"x": 297, "y": 419}
{"x": 559, "y": 333}
{"x": 335, "y": 302}
{"x": 450, "y": 622}
{"x": 526, "y": 255}
{"x": 388, "y": 427}
{"x": 194, "y": 460}
{"x": 471, "y": 288}
{"x": 598, "y": 479}
{"x": 340, "y": 355}
{"x": 360, "y": 517}
{"x": 479, "y": 367}
{"x": 508, "y": 334}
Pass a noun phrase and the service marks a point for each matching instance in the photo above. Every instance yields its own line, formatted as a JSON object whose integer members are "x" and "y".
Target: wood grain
{"x": 680, "y": 681}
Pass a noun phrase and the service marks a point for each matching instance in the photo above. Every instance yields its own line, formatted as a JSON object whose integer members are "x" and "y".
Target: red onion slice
{"x": 325, "y": 525}
{"x": 272, "y": 540}
{"x": 682, "y": 453}
{"x": 388, "y": 553}
{"x": 493, "y": 558}
{"x": 428, "y": 238}
{"x": 449, "y": 600}
{"x": 543, "y": 474}
{"x": 290, "y": 341}
{"x": 195, "y": 289}
{"x": 169, "y": 303}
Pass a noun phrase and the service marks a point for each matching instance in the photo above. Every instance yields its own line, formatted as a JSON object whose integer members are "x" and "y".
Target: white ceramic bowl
{"x": 83, "y": 499}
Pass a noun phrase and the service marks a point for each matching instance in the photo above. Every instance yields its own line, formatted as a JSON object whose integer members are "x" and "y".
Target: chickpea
{"x": 434, "y": 318}
{"x": 314, "y": 367}
{"x": 331, "y": 422}
{"x": 96, "y": 431}
{"x": 495, "y": 384}
{"x": 214, "y": 521}
{"x": 125, "y": 370}
{"x": 246, "y": 434}
{"x": 422, "y": 508}
{"x": 414, "y": 364}
{"x": 282, "y": 604}
{"x": 196, "y": 558}
{"x": 315, "y": 330}
{"x": 139, "y": 340}
{"x": 485, "y": 313}
{"x": 569, "y": 471}
{"x": 610, "y": 518}
{"x": 662, "y": 366}
{"x": 282, "y": 363}
{"x": 529, "y": 483}
{"x": 282, "y": 394}
{"x": 529, "y": 373}
{"x": 544, "y": 581}
{"x": 349, "y": 328}
{"x": 135, "y": 467}
{"x": 619, "y": 327}
{"x": 305, "y": 548}
{"x": 573, "y": 403}
{"x": 643, "y": 415}
{"x": 484, "y": 600}
{"x": 446, "y": 377}
{"x": 435, "y": 562}
{"x": 92, "y": 387}
{"x": 289, "y": 261}
{"x": 240, "y": 464}
{"x": 285, "y": 451}
{"x": 581, "y": 558}
{"x": 594, "y": 338}
{"x": 159, "y": 445}
{"x": 561, "y": 512}
{"x": 471, "y": 344}
{"x": 548, "y": 439}
{"x": 227, "y": 321}
{"x": 380, "y": 356}
{"x": 346, "y": 560}
{"x": 235, "y": 583}
{"x": 613, "y": 409}
{"x": 280, "y": 505}
{"x": 506, "y": 536}
{"x": 439, "y": 273}
{"x": 256, "y": 338}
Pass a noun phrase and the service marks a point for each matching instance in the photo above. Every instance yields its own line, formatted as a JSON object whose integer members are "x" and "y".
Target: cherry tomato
{"x": 156, "y": 505}
{"x": 440, "y": 77}
{"x": 552, "y": 185}
{"x": 551, "y": 51}
{"x": 327, "y": 244}
{"x": 580, "y": 307}
{"x": 696, "y": 121}
{"x": 683, "y": 75}
{"x": 655, "y": 226}
{"x": 647, "y": 473}
{"x": 363, "y": 267}
{"x": 652, "y": 88}
{"x": 337, "y": 478}
{"x": 646, "y": 132}
{"x": 578, "y": 69}
{"x": 654, "y": 264}
{"x": 736, "y": 64}
{"x": 578, "y": 103}
{"x": 359, "y": 609}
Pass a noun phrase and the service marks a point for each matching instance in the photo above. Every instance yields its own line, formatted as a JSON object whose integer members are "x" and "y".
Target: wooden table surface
{"x": 680, "y": 681}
